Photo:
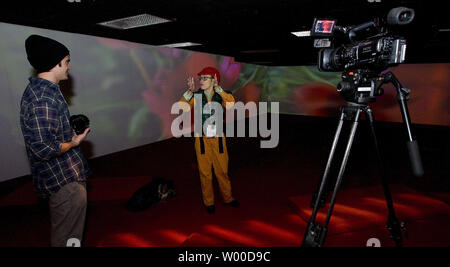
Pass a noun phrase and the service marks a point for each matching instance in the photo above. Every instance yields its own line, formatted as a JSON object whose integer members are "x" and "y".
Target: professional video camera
{"x": 364, "y": 62}
{"x": 371, "y": 48}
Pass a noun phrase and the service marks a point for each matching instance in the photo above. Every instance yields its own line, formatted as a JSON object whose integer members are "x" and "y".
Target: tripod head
{"x": 362, "y": 86}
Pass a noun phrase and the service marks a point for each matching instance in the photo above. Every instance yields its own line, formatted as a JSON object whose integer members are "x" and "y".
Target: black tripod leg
{"x": 340, "y": 175}
{"x": 393, "y": 224}
{"x": 320, "y": 196}
{"x": 313, "y": 231}
{"x": 315, "y": 234}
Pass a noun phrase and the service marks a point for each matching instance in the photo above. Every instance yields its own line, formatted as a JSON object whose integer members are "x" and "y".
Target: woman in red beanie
{"x": 211, "y": 151}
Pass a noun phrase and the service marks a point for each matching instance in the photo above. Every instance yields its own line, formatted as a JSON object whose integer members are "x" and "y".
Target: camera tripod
{"x": 315, "y": 234}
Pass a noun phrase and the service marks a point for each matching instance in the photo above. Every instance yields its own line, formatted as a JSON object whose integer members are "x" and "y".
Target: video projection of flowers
{"x": 127, "y": 90}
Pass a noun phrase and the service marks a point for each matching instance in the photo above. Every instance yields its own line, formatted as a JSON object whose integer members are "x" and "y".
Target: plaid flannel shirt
{"x": 44, "y": 120}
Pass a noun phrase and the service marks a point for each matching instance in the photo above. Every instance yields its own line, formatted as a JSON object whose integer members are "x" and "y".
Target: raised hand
{"x": 191, "y": 84}
{"x": 216, "y": 85}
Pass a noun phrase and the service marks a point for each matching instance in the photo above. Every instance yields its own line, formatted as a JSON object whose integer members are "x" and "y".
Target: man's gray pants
{"x": 68, "y": 214}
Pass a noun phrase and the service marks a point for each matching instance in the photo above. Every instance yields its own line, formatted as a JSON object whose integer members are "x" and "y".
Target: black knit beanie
{"x": 44, "y": 53}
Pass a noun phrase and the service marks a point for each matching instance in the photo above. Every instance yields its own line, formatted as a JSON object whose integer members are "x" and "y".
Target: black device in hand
{"x": 79, "y": 123}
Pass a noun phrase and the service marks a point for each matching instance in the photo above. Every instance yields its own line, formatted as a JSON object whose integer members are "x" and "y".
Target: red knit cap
{"x": 210, "y": 71}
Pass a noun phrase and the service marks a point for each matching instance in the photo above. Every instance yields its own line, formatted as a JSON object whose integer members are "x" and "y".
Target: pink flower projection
{"x": 429, "y": 96}
{"x": 167, "y": 87}
{"x": 248, "y": 93}
{"x": 229, "y": 71}
{"x": 317, "y": 99}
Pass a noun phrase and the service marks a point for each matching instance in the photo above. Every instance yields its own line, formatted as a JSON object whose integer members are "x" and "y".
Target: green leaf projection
{"x": 127, "y": 90}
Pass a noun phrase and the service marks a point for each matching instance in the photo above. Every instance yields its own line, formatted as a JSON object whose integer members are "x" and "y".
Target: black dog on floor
{"x": 158, "y": 189}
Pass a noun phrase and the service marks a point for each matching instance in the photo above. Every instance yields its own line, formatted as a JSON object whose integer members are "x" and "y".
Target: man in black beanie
{"x": 58, "y": 166}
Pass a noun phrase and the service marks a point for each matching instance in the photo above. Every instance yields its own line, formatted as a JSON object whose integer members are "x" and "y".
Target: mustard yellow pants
{"x": 213, "y": 159}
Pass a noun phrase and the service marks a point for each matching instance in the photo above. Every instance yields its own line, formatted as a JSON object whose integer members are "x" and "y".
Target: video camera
{"x": 369, "y": 49}
{"x": 364, "y": 62}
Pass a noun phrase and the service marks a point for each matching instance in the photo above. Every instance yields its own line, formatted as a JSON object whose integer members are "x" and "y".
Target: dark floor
{"x": 274, "y": 186}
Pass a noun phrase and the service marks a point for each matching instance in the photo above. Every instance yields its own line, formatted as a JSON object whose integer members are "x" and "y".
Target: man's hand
{"x": 77, "y": 139}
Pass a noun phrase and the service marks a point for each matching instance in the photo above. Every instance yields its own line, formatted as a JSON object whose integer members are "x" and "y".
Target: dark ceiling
{"x": 252, "y": 31}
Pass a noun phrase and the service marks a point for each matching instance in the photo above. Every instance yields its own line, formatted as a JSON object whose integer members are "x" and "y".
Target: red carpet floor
{"x": 360, "y": 214}
{"x": 273, "y": 186}
{"x": 265, "y": 218}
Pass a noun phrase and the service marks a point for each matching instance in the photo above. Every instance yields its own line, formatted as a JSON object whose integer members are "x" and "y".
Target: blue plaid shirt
{"x": 44, "y": 120}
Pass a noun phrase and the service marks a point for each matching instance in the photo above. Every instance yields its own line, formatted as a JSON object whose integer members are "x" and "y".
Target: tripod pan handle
{"x": 414, "y": 156}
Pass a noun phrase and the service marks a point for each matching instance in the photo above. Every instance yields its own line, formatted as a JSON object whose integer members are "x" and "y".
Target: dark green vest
{"x": 216, "y": 98}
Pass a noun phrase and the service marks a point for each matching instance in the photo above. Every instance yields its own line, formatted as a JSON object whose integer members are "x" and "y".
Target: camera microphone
{"x": 362, "y": 31}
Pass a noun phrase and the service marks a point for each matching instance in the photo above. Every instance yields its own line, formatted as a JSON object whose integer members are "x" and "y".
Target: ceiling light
{"x": 302, "y": 33}
{"x": 134, "y": 22}
{"x": 180, "y": 44}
